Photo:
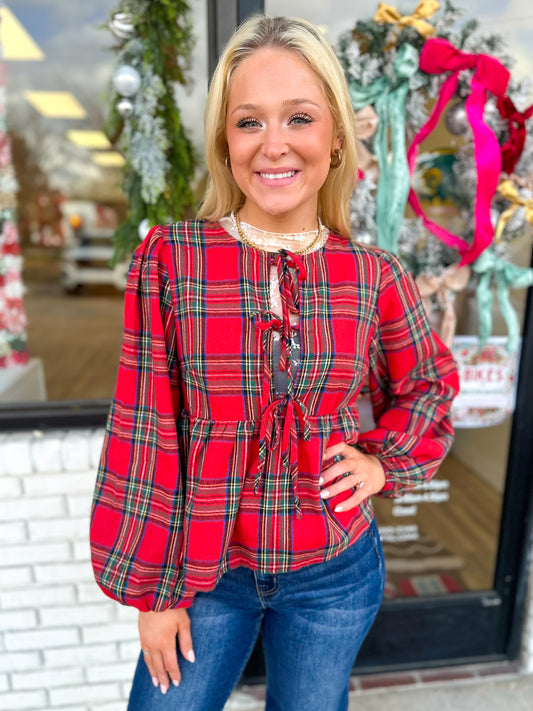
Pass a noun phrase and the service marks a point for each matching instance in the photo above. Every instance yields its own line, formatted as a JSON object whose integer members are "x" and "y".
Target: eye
{"x": 248, "y": 122}
{"x": 300, "y": 118}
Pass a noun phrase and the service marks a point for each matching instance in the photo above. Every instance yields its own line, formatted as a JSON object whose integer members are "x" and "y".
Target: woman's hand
{"x": 363, "y": 475}
{"x": 158, "y": 631}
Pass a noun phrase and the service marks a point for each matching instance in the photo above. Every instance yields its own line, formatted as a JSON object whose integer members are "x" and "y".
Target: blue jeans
{"x": 313, "y": 622}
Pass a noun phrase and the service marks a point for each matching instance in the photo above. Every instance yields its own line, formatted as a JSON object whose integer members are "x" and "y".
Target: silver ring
{"x": 359, "y": 484}
{"x": 146, "y": 654}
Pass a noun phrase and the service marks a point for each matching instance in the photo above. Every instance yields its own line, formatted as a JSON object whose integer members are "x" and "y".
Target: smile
{"x": 278, "y": 176}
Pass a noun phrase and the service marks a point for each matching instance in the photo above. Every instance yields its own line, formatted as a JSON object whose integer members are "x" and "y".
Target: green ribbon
{"x": 388, "y": 97}
{"x": 507, "y": 275}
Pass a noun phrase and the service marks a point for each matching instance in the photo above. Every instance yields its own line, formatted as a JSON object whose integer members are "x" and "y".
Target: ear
{"x": 337, "y": 142}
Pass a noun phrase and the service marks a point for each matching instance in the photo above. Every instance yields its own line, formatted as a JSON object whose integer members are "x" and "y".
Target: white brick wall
{"x": 63, "y": 645}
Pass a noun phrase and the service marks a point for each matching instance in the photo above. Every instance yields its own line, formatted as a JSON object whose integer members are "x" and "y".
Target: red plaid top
{"x": 203, "y": 467}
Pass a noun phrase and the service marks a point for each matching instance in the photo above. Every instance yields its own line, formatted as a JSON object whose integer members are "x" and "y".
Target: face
{"x": 281, "y": 136}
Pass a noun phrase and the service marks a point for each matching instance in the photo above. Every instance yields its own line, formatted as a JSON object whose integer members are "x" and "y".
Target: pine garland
{"x": 160, "y": 158}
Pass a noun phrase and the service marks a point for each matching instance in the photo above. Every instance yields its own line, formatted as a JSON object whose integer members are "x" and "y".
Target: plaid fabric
{"x": 204, "y": 467}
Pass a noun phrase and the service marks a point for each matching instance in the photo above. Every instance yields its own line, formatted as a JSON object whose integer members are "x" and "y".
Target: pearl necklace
{"x": 250, "y": 243}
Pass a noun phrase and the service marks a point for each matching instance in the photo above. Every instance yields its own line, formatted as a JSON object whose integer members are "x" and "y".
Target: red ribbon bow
{"x": 291, "y": 410}
{"x": 516, "y": 123}
{"x": 439, "y": 56}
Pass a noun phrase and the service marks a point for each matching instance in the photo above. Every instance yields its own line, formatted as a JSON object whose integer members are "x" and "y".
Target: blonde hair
{"x": 223, "y": 194}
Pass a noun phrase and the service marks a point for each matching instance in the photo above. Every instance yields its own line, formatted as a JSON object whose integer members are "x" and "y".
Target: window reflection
{"x": 69, "y": 199}
{"x": 69, "y": 202}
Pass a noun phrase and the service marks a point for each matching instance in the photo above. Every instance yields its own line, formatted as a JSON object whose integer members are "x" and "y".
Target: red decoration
{"x": 439, "y": 56}
{"x": 516, "y": 122}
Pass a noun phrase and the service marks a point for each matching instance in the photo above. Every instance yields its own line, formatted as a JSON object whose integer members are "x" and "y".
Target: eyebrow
{"x": 287, "y": 102}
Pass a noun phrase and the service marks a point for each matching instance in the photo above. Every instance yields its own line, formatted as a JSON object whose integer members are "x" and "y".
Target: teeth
{"x": 278, "y": 176}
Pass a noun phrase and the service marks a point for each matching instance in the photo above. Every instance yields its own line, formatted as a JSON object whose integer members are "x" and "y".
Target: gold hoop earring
{"x": 338, "y": 159}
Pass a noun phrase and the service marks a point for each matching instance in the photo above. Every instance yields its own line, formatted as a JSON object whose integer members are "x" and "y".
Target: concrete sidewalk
{"x": 506, "y": 692}
{"x": 482, "y": 695}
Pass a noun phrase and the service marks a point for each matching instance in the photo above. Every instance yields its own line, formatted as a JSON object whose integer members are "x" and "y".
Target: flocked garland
{"x": 153, "y": 53}
{"x": 399, "y": 67}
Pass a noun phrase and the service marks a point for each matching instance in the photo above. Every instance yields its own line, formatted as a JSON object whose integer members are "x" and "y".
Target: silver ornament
{"x": 490, "y": 110}
{"x": 143, "y": 229}
{"x": 456, "y": 120}
{"x": 125, "y": 107}
{"x": 126, "y": 80}
{"x": 492, "y": 117}
{"x": 121, "y": 25}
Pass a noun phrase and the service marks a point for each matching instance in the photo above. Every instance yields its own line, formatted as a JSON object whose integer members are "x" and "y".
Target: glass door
{"x": 455, "y": 547}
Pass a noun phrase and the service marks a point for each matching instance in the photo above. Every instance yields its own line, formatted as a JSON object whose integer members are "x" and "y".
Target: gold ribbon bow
{"x": 509, "y": 192}
{"x": 453, "y": 278}
{"x": 389, "y": 15}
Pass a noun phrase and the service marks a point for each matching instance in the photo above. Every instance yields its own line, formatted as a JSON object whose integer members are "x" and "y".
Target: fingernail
{"x": 155, "y": 682}
{"x": 175, "y": 682}
{"x": 324, "y": 494}
{"x": 338, "y": 508}
{"x": 190, "y": 656}
{"x": 164, "y": 689}
{"x": 321, "y": 481}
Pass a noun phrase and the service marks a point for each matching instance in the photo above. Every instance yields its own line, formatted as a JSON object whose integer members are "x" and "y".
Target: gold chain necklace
{"x": 250, "y": 243}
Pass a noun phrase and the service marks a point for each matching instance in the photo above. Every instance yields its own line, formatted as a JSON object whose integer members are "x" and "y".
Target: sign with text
{"x": 488, "y": 378}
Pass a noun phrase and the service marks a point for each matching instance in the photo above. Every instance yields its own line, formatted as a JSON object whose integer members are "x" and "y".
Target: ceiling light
{"x": 56, "y": 104}
{"x": 88, "y": 139}
{"x": 108, "y": 159}
{"x": 15, "y": 42}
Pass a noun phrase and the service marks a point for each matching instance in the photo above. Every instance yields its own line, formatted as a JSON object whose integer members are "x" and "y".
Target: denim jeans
{"x": 313, "y": 622}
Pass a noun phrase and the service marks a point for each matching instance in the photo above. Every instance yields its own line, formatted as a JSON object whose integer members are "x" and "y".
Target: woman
{"x": 233, "y": 495}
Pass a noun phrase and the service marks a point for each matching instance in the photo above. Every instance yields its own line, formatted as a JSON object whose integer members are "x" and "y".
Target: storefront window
{"x": 443, "y": 537}
{"x": 69, "y": 198}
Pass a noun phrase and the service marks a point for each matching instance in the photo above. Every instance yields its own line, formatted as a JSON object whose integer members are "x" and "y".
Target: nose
{"x": 274, "y": 143}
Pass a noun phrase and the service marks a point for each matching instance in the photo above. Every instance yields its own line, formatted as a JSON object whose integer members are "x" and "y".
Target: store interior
{"x": 69, "y": 202}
